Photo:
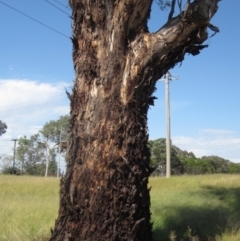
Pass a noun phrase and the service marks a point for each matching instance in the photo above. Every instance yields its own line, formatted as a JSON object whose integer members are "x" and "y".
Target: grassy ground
{"x": 187, "y": 208}
{"x": 196, "y": 208}
{"x": 29, "y": 207}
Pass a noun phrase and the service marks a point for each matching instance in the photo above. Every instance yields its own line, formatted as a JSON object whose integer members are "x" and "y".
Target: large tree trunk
{"x": 104, "y": 194}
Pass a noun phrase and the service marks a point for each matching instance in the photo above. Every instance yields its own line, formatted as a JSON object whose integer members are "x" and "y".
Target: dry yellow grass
{"x": 29, "y": 206}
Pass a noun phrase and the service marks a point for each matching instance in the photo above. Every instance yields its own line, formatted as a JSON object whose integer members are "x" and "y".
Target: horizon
{"x": 36, "y": 68}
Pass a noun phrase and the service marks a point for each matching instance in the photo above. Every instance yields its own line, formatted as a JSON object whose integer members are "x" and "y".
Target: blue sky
{"x": 36, "y": 67}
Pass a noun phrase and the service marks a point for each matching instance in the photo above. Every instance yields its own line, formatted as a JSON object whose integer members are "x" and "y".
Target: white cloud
{"x": 223, "y": 143}
{"x": 26, "y": 105}
{"x": 62, "y": 110}
{"x": 217, "y": 132}
{"x": 21, "y": 93}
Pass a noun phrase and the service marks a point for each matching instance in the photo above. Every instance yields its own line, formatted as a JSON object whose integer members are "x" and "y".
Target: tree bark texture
{"x": 104, "y": 193}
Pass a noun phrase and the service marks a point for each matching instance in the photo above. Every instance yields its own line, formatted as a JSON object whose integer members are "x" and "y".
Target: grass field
{"x": 29, "y": 207}
{"x": 187, "y": 208}
{"x": 196, "y": 208}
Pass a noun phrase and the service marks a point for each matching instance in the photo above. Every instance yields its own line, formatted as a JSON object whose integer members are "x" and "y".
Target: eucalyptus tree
{"x": 158, "y": 158}
{"x": 35, "y": 156}
{"x": 6, "y": 164}
{"x": 54, "y": 128}
{"x": 104, "y": 194}
{"x": 3, "y": 128}
{"x": 41, "y": 148}
{"x": 31, "y": 153}
{"x": 54, "y": 134}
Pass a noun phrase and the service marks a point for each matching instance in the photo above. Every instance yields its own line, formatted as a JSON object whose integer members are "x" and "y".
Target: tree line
{"x": 183, "y": 162}
{"x": 37, "y": 154}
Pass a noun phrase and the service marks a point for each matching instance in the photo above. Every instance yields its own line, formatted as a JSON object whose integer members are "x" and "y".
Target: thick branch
{"x": 133, "y": 14}
{"x": 178, "y": 34}
{"x": 160, "y": 51}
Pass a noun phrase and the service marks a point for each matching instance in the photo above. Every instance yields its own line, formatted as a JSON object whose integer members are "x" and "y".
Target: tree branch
{"x": 180, "y": 5}
{"x": 172, "y": 9}
{"x": 133, "y": 14}
{"x": 163, "y": 49}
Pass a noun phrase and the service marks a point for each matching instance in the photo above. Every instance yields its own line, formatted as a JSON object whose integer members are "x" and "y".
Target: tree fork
{"x": 104, "y": 194}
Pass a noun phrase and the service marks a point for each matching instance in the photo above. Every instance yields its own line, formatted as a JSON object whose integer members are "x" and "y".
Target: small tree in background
{"x": 31, "y": 153}
{"x": 36, "y": 158}
{"x": 38, "y": 152}
{"x": 158, "y": 156}
{"x": 3, "y": 128}
{"x": 6, "y": 166}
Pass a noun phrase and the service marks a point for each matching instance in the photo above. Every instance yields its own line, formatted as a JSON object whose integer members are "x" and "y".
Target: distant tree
{"x": 158, "y": 158}
{"x": 11, "y": 170}
{"x": 190, "y": 164}
{"x": 219, "y": 164}
{"x": 3, "y": 128}
{"x": 194, "y": 166}
{"x": 182, "y": 154}
{"x": 52, "y": 168}
{"x": 30, "y": 152}
{"x": 54, "y": 128}
{"x": 234, "y": 168}
{"x": 54, "y": 132}
{"x": 33, "y": 155}
{"x": 23, "y": 151}
{"x": 6, "y": 162}
{"x": 39, "y": 150}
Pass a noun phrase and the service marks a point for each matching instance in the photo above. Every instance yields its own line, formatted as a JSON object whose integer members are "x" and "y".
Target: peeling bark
{"x": 104, "y": 194}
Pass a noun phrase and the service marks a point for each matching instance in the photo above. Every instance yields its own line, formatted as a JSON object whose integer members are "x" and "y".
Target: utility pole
{"x": 168, "y": 78}
{"x": 14, "y": 153}
{"x": 168, "y": 138}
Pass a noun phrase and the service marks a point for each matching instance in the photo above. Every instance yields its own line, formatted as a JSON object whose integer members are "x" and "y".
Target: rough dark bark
{"x": 104, "y": 194}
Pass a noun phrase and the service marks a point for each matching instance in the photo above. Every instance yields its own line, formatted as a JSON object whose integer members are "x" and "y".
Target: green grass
{"x": 29, "y": 207}
{"x": 196, "y": 208}
{"x": 186, "y": 208}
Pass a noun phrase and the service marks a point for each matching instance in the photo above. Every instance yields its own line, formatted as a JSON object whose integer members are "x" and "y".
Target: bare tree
{"x": 6, "y": 163}
{"x": 104, "y": 194}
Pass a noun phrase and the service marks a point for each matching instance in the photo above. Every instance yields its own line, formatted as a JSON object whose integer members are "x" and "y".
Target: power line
{"x": 61, "y": 4}
{"x": 43, "y": 24}
{"x": 57, "y": 7}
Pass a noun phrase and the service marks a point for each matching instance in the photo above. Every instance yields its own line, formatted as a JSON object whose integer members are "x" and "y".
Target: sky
{"x": 36, "y": 68}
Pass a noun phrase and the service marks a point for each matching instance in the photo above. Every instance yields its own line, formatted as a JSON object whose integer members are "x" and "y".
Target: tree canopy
{"x": 184, "y": 162}
{"x": 36, "y": 155}
{"x": 3, "y": 128}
